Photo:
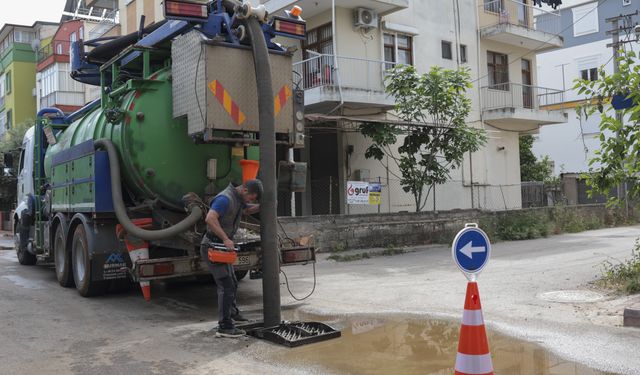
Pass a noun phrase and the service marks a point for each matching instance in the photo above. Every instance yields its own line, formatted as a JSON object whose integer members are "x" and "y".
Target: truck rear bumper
{"x": 173, "y": 267}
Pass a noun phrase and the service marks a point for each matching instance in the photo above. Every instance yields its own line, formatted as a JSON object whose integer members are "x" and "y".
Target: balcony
{"x": 521, "y": 25}
{"x": 517, "y": 107}
{"x": 63, "y": 99}
{"x": 56, "y": 51}
{"x": 314, "y": 7}
{"x": 359, "y": 82}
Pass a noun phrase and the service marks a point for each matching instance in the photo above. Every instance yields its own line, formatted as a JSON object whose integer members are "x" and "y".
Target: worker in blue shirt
{"x": 223, "y": 220}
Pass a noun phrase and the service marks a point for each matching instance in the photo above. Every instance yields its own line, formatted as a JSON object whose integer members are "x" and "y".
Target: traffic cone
{"x": 138, "y": 251}
{"x": 473, "y": 356}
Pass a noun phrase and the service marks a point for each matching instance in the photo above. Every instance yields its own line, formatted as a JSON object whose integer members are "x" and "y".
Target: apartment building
{"x": 341, "y": 66}
{"x": 18, "y": 71}
{"x": 82, "y": 20}
{"x": 572, "y": 145}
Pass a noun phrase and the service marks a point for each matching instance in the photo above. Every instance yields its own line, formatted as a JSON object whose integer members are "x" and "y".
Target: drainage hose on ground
{"x": 121, "y": 212}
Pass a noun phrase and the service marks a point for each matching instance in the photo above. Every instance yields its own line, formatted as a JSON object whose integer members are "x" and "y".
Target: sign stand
{"x": 471, "y": 250}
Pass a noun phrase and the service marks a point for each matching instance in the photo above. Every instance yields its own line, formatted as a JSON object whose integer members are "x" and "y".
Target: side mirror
{"x": 8, "y": 160}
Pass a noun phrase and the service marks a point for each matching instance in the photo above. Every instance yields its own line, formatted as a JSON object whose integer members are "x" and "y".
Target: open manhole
{"x": 571, "y": 296}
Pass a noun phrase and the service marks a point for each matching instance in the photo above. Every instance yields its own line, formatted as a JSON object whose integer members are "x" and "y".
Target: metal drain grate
{"x": 292, "y": 334}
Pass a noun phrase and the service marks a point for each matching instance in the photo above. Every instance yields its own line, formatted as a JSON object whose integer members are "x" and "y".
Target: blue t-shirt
{"x": 220, "y": 205}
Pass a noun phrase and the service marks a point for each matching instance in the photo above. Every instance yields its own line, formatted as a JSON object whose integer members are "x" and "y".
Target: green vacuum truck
{"x": 177, "y": 117}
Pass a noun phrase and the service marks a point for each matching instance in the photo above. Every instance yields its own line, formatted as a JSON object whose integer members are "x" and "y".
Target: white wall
{"x": 570, "y": 145}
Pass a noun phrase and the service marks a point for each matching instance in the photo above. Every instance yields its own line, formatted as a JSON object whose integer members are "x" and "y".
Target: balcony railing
{"x": 63, "y": 98}
{"x": 516, "y": 95}
{"x": 513, "y": 12}
{"x": 355, "y": 73}
{"x": 56, "y": 47}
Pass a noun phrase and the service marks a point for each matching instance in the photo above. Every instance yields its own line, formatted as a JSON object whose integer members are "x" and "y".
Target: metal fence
{"x": 517, "y": 13}
{"x": 516, "y": 95}
{"x": 321, "y": 70}
{"x": 328, "y": 196}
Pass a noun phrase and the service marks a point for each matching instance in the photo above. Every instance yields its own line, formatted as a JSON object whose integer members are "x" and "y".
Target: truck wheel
{"x": 24, "y": 256}
{"x": 62, "y": 258}
{"x": 241, "y": 274}
{"x": 82, "y": 265}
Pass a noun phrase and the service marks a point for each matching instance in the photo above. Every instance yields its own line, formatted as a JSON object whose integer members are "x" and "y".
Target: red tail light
{"x": 289, "y": 28}
{"x": 185, "y": 10}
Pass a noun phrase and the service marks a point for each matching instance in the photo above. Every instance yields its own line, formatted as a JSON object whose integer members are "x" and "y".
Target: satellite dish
{"x": 35, "y": 44}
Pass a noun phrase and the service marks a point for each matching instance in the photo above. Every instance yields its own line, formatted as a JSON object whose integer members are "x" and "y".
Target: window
{"x": 3, "y": 123}
{"x": 590, "y": 74}
{"x": 73, "y": 37}
{"x": 463, "y": 53}
{"x": 59, "y": 48}
{"x": 24, "y": 36}
{"x": 2, "y": 82}
{"x": 9, "y": 119}
{"x": 498, "y": 71}
{"x": 7, "y": 83}
{"x": 81, "y": 33}
{"x": 318, "y": 40}
{"x": 398, "y": 48}
{"x": 446, "y": 50}
{"x": 585, "y": 19}
{"x": 626, "y": 2}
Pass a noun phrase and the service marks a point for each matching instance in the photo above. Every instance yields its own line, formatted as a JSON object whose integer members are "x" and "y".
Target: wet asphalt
{"x": 47, "y": 329}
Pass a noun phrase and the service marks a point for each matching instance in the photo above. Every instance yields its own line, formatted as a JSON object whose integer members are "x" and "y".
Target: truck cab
{"x": 24, "y": 213}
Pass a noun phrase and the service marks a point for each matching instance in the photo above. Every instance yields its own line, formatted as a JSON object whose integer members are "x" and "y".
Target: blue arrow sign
{"x": 471, "y": 249}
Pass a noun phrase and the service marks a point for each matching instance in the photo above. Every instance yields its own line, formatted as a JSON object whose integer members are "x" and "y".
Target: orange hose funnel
{"x": 249, "y": 169}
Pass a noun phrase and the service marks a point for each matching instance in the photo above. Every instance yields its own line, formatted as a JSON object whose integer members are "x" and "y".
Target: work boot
{"x": 239, "y": 318}
{"x": 230, "y": 332}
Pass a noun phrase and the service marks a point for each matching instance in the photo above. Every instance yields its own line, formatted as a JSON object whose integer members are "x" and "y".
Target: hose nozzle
{"x": 247, "y": 10}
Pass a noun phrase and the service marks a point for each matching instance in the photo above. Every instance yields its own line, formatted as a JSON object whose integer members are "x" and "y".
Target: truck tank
{"x": 158, "y": 159}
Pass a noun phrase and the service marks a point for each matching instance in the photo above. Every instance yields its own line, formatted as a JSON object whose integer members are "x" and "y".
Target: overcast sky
{"x": 26, "y": 12}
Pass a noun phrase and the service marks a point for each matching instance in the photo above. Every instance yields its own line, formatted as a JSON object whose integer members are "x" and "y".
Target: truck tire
{"x": 81, "y": 261}
{"x": 62, "y": 258}
{"x": 24, "y": 256}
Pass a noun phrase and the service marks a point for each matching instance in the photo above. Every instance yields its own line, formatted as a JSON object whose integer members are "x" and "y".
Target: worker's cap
{"x": 254, "y": 187}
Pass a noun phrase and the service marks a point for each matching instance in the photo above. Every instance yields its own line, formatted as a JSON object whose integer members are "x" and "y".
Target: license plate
{"x": 243, "y": 260}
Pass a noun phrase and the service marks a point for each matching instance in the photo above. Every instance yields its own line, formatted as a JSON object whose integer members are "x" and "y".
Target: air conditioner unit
{"x": 364, "y": 18}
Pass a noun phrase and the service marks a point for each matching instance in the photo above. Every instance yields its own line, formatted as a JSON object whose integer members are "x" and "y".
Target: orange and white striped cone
{"x": 473, "y": 356}
{"x": 138, "y": 251}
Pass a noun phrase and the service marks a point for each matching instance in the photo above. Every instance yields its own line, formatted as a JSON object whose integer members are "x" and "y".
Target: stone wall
{"x": 407, "y": 229}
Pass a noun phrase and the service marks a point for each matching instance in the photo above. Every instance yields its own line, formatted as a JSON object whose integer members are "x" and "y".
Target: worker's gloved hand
{"x": 229, "y": 245}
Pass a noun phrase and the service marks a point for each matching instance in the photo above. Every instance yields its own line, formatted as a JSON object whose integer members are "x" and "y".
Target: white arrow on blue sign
{"x": 471, "y": 249}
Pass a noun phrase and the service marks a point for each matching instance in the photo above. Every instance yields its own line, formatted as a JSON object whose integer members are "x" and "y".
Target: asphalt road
{"x": 47, "y": 329}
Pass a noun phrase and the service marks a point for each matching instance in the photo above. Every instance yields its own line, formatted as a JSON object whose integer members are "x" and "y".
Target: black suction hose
{"x": 121, "y": 212}
{"x": 268, "y": 208}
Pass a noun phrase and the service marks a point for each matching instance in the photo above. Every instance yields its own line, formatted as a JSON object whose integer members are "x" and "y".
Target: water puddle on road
{"x": 395, "y": 346}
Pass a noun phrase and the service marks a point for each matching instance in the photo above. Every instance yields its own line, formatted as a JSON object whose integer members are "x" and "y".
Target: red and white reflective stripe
{"x": 474, "y": 364}
{"x": 472, "y": 318}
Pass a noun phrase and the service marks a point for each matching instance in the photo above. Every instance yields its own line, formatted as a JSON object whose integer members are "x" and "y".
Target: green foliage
{"x": 617, "y": 159}
{"x": 426, "y": 154}
{"x": 624, "y": 275}
{"x": 530, "y": 224}
{"x": 532, "y": 169}
{"x": 12, "y": 139}
{"x": 522, "y": 226}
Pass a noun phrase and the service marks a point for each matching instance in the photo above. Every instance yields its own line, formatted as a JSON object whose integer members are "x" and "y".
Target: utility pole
{"x": 615, "y": 32}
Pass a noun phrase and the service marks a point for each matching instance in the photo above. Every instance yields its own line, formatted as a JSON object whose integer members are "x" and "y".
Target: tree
{"x": 532, "y": 169}
{"x": 617, "y": 160}
{"x": 435, "y": 107}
